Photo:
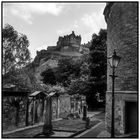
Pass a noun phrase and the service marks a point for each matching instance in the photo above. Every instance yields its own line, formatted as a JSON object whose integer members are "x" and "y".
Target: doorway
{"x": 131, "y": 116}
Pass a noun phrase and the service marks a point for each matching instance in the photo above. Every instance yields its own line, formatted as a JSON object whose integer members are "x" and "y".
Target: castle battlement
{"x": 69, "y": 40}
{"x": 67, "y": 43}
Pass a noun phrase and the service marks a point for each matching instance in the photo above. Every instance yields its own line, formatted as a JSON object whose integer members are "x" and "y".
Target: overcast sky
{"x": 43, "y": 23}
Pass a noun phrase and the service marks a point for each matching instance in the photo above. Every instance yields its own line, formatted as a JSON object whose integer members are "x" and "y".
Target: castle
{"x": 68, "y": 43}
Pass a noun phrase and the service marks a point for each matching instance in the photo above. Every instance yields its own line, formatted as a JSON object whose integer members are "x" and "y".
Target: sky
{"x": 43, "y": 23}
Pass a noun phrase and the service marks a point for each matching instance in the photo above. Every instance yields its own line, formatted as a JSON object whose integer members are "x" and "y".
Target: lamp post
{"x": 113, "y": 61}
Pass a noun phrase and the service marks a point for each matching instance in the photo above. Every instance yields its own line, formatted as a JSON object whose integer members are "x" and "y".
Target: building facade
{"x": 122, "y": 35}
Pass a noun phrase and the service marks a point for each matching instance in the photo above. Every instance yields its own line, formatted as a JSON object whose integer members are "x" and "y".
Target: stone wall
{"x": 122, "y": 35}
{"x": 70, "y": 48}
{"x": 69, "y": 40}
{"x": 61, "y": 108}
{"x": 120, "y": 99}
{"x": 64, "y": 105}
{"x": 9, "y": 119}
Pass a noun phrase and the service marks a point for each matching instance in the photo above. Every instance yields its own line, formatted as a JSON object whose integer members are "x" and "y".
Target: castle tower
{"x": 69, "y": 43}
{"x": 122, "y": 35}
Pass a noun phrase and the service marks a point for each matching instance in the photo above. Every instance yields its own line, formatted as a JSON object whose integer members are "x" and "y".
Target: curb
{"x": 77, "y": 134}
{"x": 87, "y": 130}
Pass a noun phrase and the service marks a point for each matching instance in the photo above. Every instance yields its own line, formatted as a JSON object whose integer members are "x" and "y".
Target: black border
{"x": 69, "y": 2}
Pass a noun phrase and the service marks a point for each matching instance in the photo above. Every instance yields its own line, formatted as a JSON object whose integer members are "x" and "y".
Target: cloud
{"x": 87, "y": 25}
{"x": 42, "y": 8}
{"x": 23, "y": 14}
{"x": 68, "y": 30}
{"x": 25, "y": 11}
{"x": 94, "y": 21}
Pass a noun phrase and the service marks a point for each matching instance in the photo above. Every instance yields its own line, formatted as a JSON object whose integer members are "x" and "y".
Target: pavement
{"x": 104, "y": 134}
{"x": 97, "y": 131}
{"x": 75, "y": 130}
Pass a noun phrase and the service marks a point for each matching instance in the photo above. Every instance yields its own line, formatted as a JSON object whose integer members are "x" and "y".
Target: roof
{"x": 36, "y": 93}
{"x": 51, "y": 94}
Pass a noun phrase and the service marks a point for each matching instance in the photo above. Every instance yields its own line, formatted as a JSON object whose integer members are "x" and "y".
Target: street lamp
{"x": 113, "y": 61}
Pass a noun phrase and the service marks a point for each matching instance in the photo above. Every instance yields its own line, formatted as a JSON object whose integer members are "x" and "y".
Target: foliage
{"x": 68, "y": 68}
{"x": 24, "y": 79}
{"x": 98, "y": 56}
{"x": 48, "y": 76}
{"x": 18, "y": 79}
{"x": 58, "y": 88}
{"x": 71, "y": 73}
{"x": 79, "y": 86}
{"x": 15, "y": 49}
{"x": 98, "y": 63}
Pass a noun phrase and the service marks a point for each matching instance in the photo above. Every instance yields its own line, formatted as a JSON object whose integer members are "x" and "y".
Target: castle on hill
{"x": 67, "y": 43}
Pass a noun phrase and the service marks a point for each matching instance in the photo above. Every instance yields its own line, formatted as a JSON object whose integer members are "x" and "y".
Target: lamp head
{"x": 114, "y": 60}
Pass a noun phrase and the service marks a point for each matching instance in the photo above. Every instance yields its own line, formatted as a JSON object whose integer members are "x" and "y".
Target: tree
{"x": 98, "y": 64}
{"x": 79, "y": 86}
{"x": 68, "y": 68}
{"x": 15, "y": 49}
{"x": 48, "y": 77}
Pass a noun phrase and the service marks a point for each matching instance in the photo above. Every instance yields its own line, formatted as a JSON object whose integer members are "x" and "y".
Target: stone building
{"x": 122, "y": 35}
{"x": 68, "y": 43}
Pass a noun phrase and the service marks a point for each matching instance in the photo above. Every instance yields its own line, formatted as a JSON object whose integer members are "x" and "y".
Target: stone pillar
{"x": 42, "y": 111}
{"x": 39, "y": 110}
{"x": 74, "y": 109}
{"x": 47, "y": 128}
{"x": 84, "y": 112}
{"x": 81, "y": 106}
{"x": 34, "y": 109}
{"x": 122, "y": 35}
{"x": 27, "y": 112}
{"x": 58, "y": 107}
